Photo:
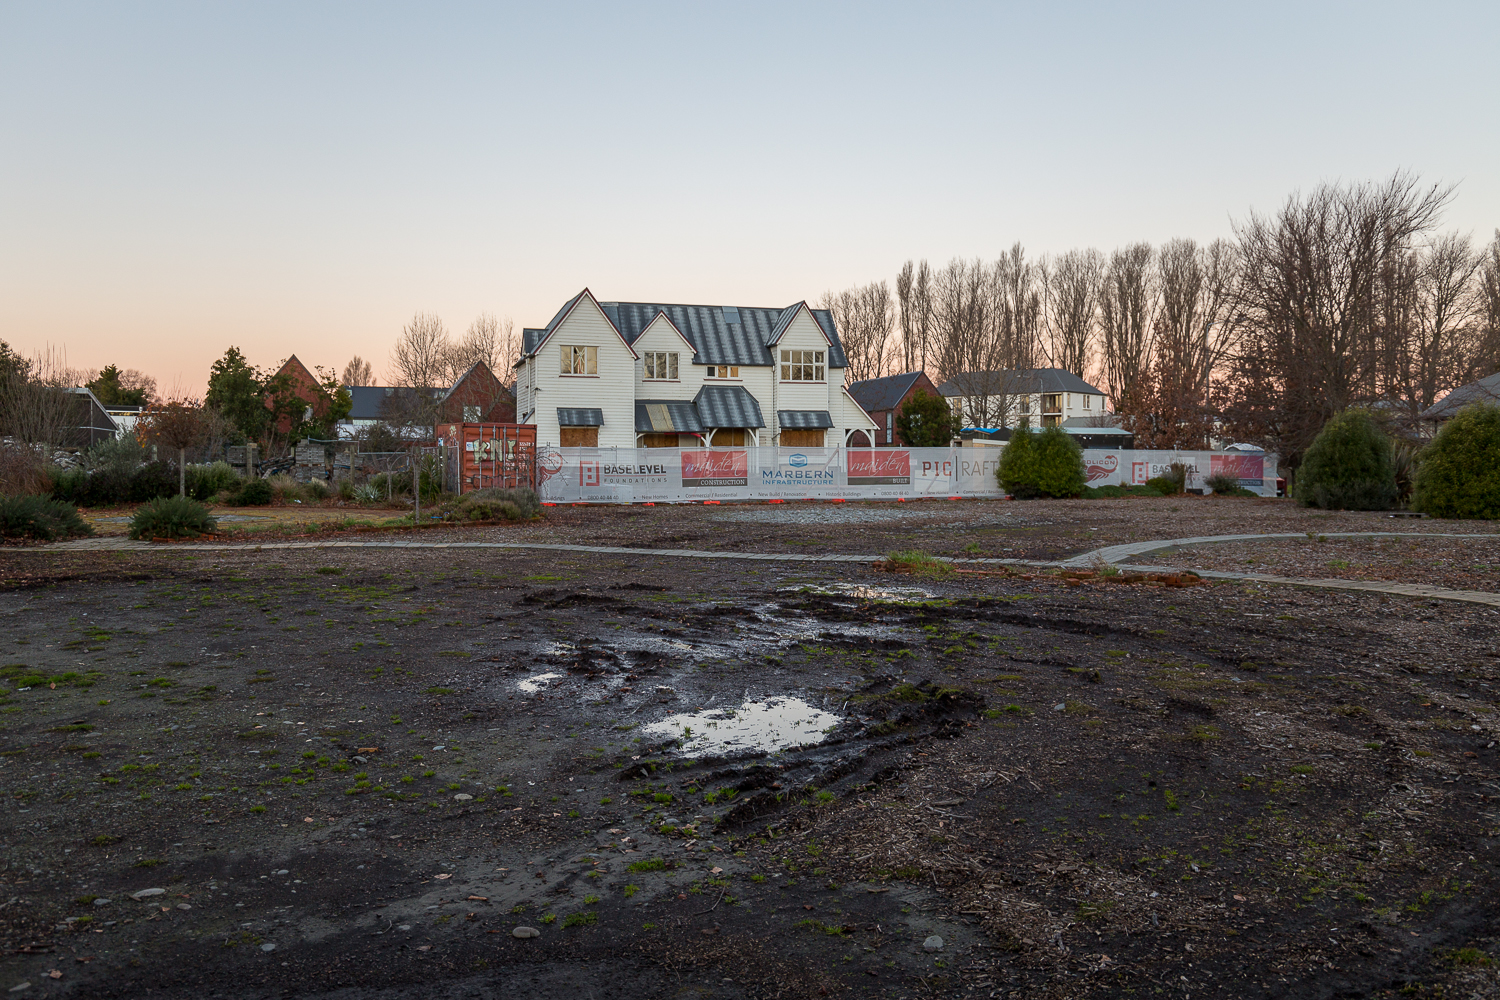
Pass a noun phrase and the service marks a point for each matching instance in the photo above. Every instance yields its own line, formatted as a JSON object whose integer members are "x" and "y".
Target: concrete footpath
{"x": 1108, "y": 555}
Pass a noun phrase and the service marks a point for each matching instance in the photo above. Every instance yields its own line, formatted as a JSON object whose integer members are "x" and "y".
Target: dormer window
{"x": 801, "y": 366}
{"x": 661, "y": 364}
{"x": 723, "y": 371}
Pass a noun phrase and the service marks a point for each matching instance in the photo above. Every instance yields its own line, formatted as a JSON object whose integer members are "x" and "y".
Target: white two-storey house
{"x": 648, "y": 375}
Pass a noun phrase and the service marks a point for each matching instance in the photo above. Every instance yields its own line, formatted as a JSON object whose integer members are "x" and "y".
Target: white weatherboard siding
{"x": 661, "y": 335}
{"x": 541, "y": 388}
{"x": 611, "y": 390}
{"x": 804, "y": 334}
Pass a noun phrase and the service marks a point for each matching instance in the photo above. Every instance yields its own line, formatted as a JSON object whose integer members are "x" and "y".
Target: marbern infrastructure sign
{"x": 627, "y": 475}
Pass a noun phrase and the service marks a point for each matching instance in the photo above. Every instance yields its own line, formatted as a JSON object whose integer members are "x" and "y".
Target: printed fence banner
{"x": 1249, "y": 469}
{"x": 799, "y": 473}
{"x": 632, "y": 475}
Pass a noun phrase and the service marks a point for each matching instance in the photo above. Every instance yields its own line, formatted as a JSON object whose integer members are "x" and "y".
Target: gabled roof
{"x": 719, "y": 335}
{"x": 727, "y": 406}
{"x": 531, "y": 340}
{"x": 883, "y": 393}
{"x": 1010, "y": 382}
{"x": 1486, "y": 390}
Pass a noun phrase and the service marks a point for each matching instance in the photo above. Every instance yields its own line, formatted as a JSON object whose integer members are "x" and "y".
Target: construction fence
{"x": 636, "y": 475}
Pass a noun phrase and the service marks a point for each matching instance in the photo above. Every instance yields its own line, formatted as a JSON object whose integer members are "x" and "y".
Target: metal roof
{"x": 883, "y": 393}
{"x": 667, "y": 416}
{"x": 811, "y": 420}
{"x": 723, "y": 335}
{"x": 573, "y": 416}
{"x": 727, "y": 406}
{"x": 368, "y": 402}
{"x": 1012, "y": 381}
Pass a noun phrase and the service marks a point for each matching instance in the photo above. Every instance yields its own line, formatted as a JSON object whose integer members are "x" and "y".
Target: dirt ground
{"x": 352, "y": 773}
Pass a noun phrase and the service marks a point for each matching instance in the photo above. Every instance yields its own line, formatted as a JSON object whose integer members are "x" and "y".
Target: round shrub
{"x": 1049, "y": 464}
{"x": 254, "y": 493}
{"x": 152, "y": 480}
{"x": 1459, "y": 471}
{"x": 497, "y": 504}
{"x": 171, "y": 517}
{"x": 42, "y": 518}
{"x": 1348, "y": 467}
{"x": 204, "y": 481}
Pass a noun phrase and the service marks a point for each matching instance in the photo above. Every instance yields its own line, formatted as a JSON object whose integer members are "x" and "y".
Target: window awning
{"x": 804, "y": 420}
{"x": 568, "y": 416}
{"x": 667, "y": 416}
{"x": 728, "y": 406}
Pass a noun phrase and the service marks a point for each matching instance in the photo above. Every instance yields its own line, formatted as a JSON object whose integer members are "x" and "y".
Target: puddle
{"x": 534, "y": 683}
{"x": 862, "y": 591}
{"x": 773, "y": 724}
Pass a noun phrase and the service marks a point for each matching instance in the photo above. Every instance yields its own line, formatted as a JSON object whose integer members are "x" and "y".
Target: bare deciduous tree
{"x": 914, "y": 299}
{"x": 1484, "y": 358}
{"x": 1316, "y": 305}
{"x": 490, "y": 340}
{"x": 35, "y": 405}
{"x": 420, "y": 358}
{"x": 865, "y": 317}
{"x": 358, "y": 372}
{"x": 1072, "y": 285}
{"x": 1127, "y": 308}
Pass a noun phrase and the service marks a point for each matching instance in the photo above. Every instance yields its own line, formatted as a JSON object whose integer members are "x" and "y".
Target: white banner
{"x": 637, "y": 475}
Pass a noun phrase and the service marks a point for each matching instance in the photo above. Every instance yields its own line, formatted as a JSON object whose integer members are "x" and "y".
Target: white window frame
{"x": 471, "y": 414}
{"x": 802, "y": 366}
{"x": 660, "y": 366}
{"x": 579, "y": 359}
{"x": 722, "y": 371}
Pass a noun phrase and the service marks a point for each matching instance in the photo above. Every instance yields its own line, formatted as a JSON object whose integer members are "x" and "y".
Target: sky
{"x": 177, "y": 178}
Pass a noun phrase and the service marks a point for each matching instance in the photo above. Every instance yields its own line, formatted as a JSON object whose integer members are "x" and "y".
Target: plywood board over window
{"x": 802, "y": 438}
{"x": 726, "y": 437}
{"x": 579, "y": 437}
{"x": 659, "y": 441}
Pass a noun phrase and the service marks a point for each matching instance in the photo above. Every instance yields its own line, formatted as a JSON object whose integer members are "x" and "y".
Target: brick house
{"x": 881, "y": 398}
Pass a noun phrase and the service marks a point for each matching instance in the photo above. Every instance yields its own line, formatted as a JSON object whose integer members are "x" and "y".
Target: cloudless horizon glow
{"x": 176, "y": 178}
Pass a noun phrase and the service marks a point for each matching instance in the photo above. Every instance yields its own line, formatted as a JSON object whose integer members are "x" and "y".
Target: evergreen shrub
{"x": 1458, "y": 474}
{"x": 1049, "y": 464}
{"x": 44, "y": 518}
{"x": 171, "y": 517}
{"x": 254, "y": 493}
{"x": 1348, "y": 466}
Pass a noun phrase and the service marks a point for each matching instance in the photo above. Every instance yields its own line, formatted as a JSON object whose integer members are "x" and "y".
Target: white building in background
{"x": 648, "y": 375}
{"x": 1043, "y": 397}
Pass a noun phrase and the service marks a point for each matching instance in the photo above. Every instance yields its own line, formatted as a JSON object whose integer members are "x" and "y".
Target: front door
{"x": 580, "y": 437}
{"x": 726, "y": 437}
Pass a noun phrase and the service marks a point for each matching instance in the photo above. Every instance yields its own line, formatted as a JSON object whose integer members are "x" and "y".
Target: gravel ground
{"x": 351, "y": 773}
{"x": 1458, "y": 564}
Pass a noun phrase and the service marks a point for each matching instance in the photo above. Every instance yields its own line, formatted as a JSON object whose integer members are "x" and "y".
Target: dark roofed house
{"x": 1486, "y": 390}
{"x": 881, "y": 398}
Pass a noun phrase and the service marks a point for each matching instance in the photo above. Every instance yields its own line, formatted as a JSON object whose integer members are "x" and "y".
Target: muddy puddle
{"x": 863, "y": 592}
{"x": 755, "y": 726}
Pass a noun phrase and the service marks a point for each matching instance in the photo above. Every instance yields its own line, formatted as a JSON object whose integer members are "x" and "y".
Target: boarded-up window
{"x": 802, "y": 439}
{"x": 580, "y": 437}
{"x": 659, "y": 441}
{"x": 729, "y": 438}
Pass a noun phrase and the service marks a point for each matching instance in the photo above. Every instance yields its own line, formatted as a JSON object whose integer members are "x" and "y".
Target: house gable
{"x": 586, "y": 300}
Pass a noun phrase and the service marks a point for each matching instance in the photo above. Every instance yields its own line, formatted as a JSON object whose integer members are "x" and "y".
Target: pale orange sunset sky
{"x": 179, "y": 177}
